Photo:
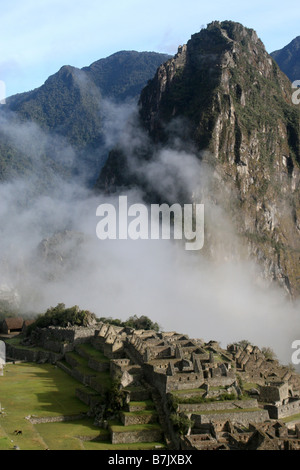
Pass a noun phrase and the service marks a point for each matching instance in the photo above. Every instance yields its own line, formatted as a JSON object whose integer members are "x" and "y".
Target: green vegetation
{"x": 200, "y": 399}
{"x": 45, "y": 391}
{"x": 248, "y": 386}
{"x": 139, "y": 413}
{"x": 91, "y": 352}
{"x": 68, "y": 108}
{"x": 36, "y": 390}
{"x": 117, "y": 427}
{"x": 268, "y": 353}
{"x": 102, "y": 378}
{"x": 145, "y": 405}
{"x": 181, "y": 423}
{"x": 291, "y": 418}
{"x": 16, "y": 341}
{"x": 62, "y": 316}
{"x": 116, "y": 398}
{"x": 240, "y": 382}
{"x": 139, "y": 323}
{"x": 71, "y": 435}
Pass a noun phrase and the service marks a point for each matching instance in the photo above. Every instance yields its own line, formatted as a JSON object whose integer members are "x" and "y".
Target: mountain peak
{"x": 288, "y": 59}
{"x": 236, "y": 106}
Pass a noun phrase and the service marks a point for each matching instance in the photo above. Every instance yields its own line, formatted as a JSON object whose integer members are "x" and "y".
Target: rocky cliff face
{"x": 236, "y": 104}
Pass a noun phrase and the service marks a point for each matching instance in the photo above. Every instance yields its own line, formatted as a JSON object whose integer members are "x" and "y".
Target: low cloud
{"x": 50, "y": 252}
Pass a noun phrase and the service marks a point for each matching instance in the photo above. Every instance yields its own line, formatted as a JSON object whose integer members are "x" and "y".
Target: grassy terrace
{"x": 47, "y": 391}
{"x": 100, "y": 377}
{"x": 41, "y": 391}
{"x": 115, "y": 426}
{"x": 291, "y": 418}
{"x": 220, "y": 358}
{"x": 192, "y": 391}
{"x": 16, "y": 341}
{"x": 139, "y": 413}
{"x": 146, "y": 404}
{"x": 92, "y": 352}
{"x": 234, "y": 410}
{"x": 248, "y": 386}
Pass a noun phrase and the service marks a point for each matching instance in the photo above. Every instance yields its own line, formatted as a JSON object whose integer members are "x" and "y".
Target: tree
{"x": 269, "y": 353}
{"x": 141, "y": 323}
{"x": 62, "y": 316}
{"x": 181, "y": 423}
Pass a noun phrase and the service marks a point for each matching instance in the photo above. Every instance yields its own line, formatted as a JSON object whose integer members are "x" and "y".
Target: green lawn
{"x": 39, "y": 390}
{"x": 70, "y": 435}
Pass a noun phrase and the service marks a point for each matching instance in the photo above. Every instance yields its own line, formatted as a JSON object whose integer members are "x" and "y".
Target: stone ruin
{"x": 171, "y": 364}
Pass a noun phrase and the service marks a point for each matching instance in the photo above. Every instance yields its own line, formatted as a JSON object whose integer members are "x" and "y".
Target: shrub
{"x": 62, "y": 316}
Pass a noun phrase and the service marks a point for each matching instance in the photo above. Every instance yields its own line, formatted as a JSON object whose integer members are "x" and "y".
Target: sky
{"x": 38, "y": 37}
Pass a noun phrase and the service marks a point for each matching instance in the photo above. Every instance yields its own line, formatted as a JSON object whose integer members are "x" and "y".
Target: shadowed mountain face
{"x": 288, "y": 59}
{"x": 70, "y": 105}
{"x": 227, "y": 96}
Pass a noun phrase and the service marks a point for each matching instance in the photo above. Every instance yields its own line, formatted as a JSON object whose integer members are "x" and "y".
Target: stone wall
{"x": 111, "y": 352}
{"x": 118, "y": 365}
{"x": 74, "y": 335}
{"x": 57, "y": 419}
{"x": 71, "y": 360}
{"x": 129, "y": 419}
{"x": 159, "y": 381}
{"x": 31, "y": 355}
{"x": 76, "y": 374}
{"x": 284, "y": 411}
{"x": 220, "y": 381}
{"x": 132, "y": 352}
{"x": 90, "y": 399}
{"x": 274, "y": 393}
{"x": 98, "y": 343}
{"x": 154, "y": 435}
{"x": 182, "y": 381}
{"x": 243, "y": 417}
{"x": 227, "y": 405}
{"x": 98, "y": 366}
